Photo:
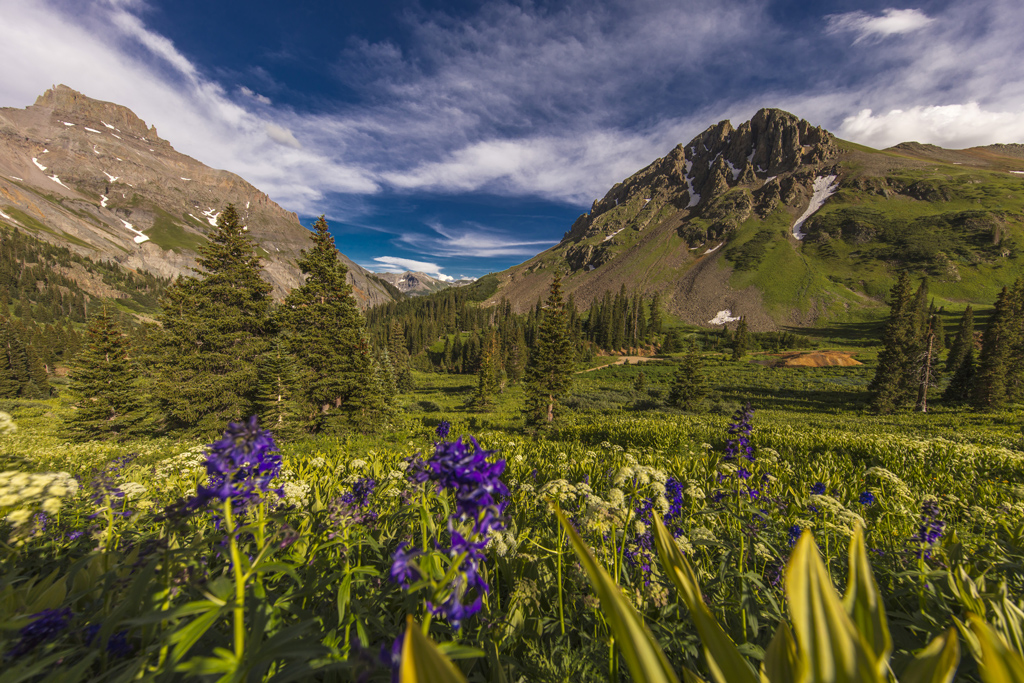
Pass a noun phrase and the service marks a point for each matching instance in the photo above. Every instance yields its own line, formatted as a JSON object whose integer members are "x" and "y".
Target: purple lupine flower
{"x": 402, "y": 572}
{"x": 743, "y": 473}
{"x": 930, "y": 528}
{"x": 361, "y": 491}
{"x": 739, "y": 431}
{"x": 46, "y": 625}
{"x": 674, "y": 494}
{"x": 867, "y": 498}
{"x": 794, "y": 534}
{"x": 241, "y": 467}
{"x": 443, "y": 427}
{"x": 117, "y": 644}
{"x": 818, "y": 489}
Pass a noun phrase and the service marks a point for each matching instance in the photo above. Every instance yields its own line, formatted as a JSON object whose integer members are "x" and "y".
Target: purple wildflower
{"x": 930, "y": 529}
{"x": 241, "y": 466}
{"x": 739, "y": 431}
{"x": 743, "y": 473}
{"x": 794, "y": 534}
{"x": 361, "y": 491}
{"x": 402, "y": 571}
{"x": 818, "y": 489}
{"x": 47, "y": 625}
{"x": 443, "y": 427}
{"x": 867, "y": 498}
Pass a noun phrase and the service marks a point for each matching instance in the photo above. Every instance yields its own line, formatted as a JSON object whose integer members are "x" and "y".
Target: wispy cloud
{"x": 890, "y": 22}
{"x": 394, "y": 264}
{"x": 478, "y": 241}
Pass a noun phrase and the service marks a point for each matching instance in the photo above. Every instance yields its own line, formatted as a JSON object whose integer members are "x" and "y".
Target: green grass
{"x": 167, "y": 234}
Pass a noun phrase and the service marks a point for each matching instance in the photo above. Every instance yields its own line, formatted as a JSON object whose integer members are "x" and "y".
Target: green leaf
{"x": 863, "y": 602}
{"x": 781, "y": 663}
{"x": 831, "y": 649}
{"x": 936, "y": 663}
{"x": 423, "y": 662}
{"x": 642, "y": 654}
{"x": 999, "y": 664}
{"x": 726, "y": 662}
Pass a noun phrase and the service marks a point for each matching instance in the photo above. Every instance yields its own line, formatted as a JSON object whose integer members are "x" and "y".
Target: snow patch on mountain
{"x": 38, "y": 165}
{"x": 55, "y": 179}
{"x": 824, "y": 187}
{"x": 723, "y": 317}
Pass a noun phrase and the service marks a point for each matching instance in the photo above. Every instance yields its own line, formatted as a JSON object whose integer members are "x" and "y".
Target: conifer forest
{"x": 200, "y": 482}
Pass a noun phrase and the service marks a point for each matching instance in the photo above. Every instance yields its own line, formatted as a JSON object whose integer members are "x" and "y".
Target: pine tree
{"x": 995, "y": 380}
{"x": 399, "y": 357}
{"x": 929, "y": 373}
{"x": 487, "y": 375}
{"x": 963, "y": 341}
{"x": 340, "y": 379}
{"x": 895, "y": 382}
{"x": 215, "y": 328}
{"x": 688, "y": 386}
{"x": 741, "y": 340}
{"x": 549, "y": 373}
{"x": 104, "y": 379}
{"x": 278, "y": 408}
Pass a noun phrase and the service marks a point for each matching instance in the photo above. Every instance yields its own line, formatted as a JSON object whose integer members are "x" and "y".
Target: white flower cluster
{"x": 187, "y": 462}
{"x": 132, "y": 490}
{"x": 7, "y": 425}
{"x": 503, "y": 542}
{"x": 898, "y": 486}
{"x": 641, "y": 474}
{"x": 24, "y": 491}
{"x": 295, "y": 492}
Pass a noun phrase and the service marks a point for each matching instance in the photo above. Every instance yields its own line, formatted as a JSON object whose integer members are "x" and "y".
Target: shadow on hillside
{"x": 798, "y": 400}
{"x": 847, "y": 334}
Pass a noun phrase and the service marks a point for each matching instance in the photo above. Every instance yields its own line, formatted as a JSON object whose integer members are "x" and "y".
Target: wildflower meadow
{"x": 620, "y": 545}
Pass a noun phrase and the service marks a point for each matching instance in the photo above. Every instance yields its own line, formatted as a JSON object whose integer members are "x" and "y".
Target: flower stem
{"x": 236, "y": 562}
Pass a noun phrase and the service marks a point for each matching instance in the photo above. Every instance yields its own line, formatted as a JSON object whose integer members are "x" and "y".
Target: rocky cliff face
{"x": 778, "y": 221}
{"x": 91, "y": 176}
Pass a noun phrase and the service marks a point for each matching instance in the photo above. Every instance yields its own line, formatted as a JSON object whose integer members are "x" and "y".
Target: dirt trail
{"x": 621, "y": 361}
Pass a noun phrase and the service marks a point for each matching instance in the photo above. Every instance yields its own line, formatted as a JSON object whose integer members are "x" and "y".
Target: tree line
{"x": 224, "y": 351}
{"x": 984, "y": 371}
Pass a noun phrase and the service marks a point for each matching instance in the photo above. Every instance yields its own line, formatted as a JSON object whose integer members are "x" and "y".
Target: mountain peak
{"x": 71, "y": 104}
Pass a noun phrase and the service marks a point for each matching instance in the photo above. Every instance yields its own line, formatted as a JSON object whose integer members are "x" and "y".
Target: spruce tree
{"x": 277, "y": 405}
{"x": 487, "y": 375}
{"x": 552, "y": 361}
{"x": 215, "y": 328}
{"x": 963, "y": 341}
{"x": 688, "y": 386}
{"x": 340, "y": 381}
{"x": 894, "y": 384}
{"x": 741, "y": 340}
{"x": 399, "y": 354}
{"x": 104, "y": 382}
{"x": 995, "y": 380}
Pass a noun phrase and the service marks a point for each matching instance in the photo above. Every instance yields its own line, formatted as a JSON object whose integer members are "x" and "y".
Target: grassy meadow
{"x": 316, "y": 581}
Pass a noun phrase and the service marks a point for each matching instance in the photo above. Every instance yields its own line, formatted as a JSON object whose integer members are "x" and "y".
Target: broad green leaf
{"x": 830, "y": 647}
{"x": 937, "y": 662}
{"x": 422, "y": 662}
{"x": 641, "y": 652}
{"x": 781, "y": 663}
{"x": 51, "y": 598}
{"x": 970, "y": 637}
{"x": 999, "y": 664}
{"x": 726, "y": 662}
{"x": 863, "y": 602}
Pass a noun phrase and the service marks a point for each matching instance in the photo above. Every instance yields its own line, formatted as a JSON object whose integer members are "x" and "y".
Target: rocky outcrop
{"x": 92, "y": 176}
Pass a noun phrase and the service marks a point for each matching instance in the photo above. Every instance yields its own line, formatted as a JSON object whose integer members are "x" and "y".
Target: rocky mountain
{"x": 414, "y": 283}
{"x": 781, "y": 222}
{"x": 91, "y": 176}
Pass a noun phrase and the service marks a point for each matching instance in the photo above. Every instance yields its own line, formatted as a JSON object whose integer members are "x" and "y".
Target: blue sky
{"x": 460, "y": 138}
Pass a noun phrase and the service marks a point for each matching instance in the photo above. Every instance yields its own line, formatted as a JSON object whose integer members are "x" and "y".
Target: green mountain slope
{"x": 783, "y": 223}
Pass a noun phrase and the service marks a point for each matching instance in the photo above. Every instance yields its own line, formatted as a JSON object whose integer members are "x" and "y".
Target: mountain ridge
{"x": 781, "y": 222}
{"x": 92, "y": 176}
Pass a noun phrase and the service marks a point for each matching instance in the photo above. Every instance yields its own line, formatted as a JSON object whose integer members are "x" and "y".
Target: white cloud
{"x": 952, "y": 126}
{"x": 394, "y": 264}
{"x": 282, "y": 136}
{"x": 248, "y": 92}
{"x": 477, "y": 241}
{"x": 891, "y": 22}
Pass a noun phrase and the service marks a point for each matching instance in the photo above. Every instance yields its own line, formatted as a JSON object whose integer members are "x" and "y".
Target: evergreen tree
{"x": 487, "y": 375}
{"x": 928, "y": 374}
{"x": 640, "y": 383}
{"x": 963, "y": 341}
{"x": 215, "y": 328}
{"x": 279, "y": 410}
{"x": 961, "y": 385}
{"x": 103, "y": 379}
{"x": 996, "y": 372}
{"x": 895, "y": 381}
{"x": 688, "y": 386}
{"x": 552, "y": 361}
{"x": 741, "y": 340}
{"x": 399, "y": 354}
{"x": 341, "y": 382}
